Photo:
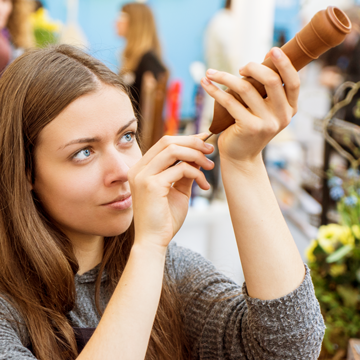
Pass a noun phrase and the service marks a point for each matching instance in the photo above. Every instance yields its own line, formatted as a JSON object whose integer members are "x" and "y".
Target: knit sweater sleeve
{"x": 224, "y": 322}
{"x": 13, "y": 334}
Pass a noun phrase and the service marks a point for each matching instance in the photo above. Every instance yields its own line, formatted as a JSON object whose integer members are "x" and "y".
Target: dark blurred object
{"x": 342, "y": 63}
{"x": 152, "y": 103}
{"x": 280, "y": 37}
{"x": 228, "y": 4}
{"x": 148, "y": 63}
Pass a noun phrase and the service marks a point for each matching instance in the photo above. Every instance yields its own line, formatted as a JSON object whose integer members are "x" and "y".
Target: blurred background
{"x": 162, "y": 48}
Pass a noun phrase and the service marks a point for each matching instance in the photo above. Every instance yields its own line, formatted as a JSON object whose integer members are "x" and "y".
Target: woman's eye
{"x": 128, "y": 137}
{"x": 82, "y": 154}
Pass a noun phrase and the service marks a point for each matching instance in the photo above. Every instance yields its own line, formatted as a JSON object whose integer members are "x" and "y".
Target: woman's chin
{"x": 114, "y": 231}
{"x": 115, "y": 226}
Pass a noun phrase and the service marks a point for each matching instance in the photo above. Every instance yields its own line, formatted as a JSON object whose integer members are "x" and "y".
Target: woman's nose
{"x": 115, "y": 168}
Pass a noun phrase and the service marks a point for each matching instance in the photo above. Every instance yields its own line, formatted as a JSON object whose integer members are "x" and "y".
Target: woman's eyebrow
{"x": 95, "y": 139}
{"x": 125, "y": 126}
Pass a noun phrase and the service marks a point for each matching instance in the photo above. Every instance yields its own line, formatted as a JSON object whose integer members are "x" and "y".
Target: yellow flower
{"x": 347, "y": 237}
{"x": 310, "y": 251}
{"x": 41, "y": 20}
{"x": 328, "y": 247}
{"x": 329, "y": 236}
{"x": 337, "y": 269}
{"x": 356, "y": 231}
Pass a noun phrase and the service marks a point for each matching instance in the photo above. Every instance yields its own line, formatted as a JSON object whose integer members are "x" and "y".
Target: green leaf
{"x": 338, "y": 254}
{"x": 349, "y": 295}
{"x": 358, "y": 275}
{"x": 356, "y": 253}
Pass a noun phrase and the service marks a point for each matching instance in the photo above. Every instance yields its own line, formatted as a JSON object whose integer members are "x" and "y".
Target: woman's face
{"x": 82, "y": 161}
{"x": 122, "y": 24}
{"x": 5, "y": 11}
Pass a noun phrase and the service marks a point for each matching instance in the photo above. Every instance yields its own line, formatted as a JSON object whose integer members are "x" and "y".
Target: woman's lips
{"x": 120, "y": 204}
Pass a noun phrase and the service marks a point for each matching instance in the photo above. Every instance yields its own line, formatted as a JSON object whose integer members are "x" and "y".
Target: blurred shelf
{"x": 302, "y": 208}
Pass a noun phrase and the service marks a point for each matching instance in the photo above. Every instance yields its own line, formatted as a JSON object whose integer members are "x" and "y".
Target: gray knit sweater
{"x": 241, "y": 327}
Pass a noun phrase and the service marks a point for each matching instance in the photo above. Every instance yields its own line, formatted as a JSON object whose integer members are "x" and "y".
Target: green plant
{"x": 45, "y": 30}
{"x": 334, "y": 260}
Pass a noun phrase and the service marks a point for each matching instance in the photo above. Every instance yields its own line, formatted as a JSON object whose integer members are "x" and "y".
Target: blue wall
{"x": 287, "y": 18}
{"x": 181, "y": 25}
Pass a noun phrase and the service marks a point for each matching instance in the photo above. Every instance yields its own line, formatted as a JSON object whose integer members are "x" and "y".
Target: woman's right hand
{"x": 161, "y": 192}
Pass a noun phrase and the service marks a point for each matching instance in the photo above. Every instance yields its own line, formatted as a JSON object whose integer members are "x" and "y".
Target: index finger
{"x": 194, "y": 141}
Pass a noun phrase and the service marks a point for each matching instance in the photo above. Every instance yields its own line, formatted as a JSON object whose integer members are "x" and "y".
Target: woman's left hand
{"x": 256, "y": 125}
{"x": 271, "y": 262}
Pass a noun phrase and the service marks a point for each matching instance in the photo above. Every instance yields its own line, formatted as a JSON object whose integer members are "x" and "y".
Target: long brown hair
{"x": 37, "y": 262}
{"x": 19, "y": 24}
{"x": 141, "y": 35}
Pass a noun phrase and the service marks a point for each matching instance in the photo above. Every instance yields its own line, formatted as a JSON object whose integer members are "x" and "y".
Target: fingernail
{"x": 210, "y": 161}
{"x": 209, "y": 146}
{"x": 211, "y": 71}
{"x": 241, "y": 69}
{"x": 276, "y": 53}
{"x": 206, "y": 81}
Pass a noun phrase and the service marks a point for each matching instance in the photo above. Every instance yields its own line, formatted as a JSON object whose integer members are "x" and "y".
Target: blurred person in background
{"x": 142, "y": 53}
{"x": 15, "y": 30}
{"x": 218, "y": 39}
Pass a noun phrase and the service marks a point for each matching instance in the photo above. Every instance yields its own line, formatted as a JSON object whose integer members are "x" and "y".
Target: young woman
{"x": 142, "y": 53}
{"x": 15, "y": 30}
{"x": 86, "y": 224}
